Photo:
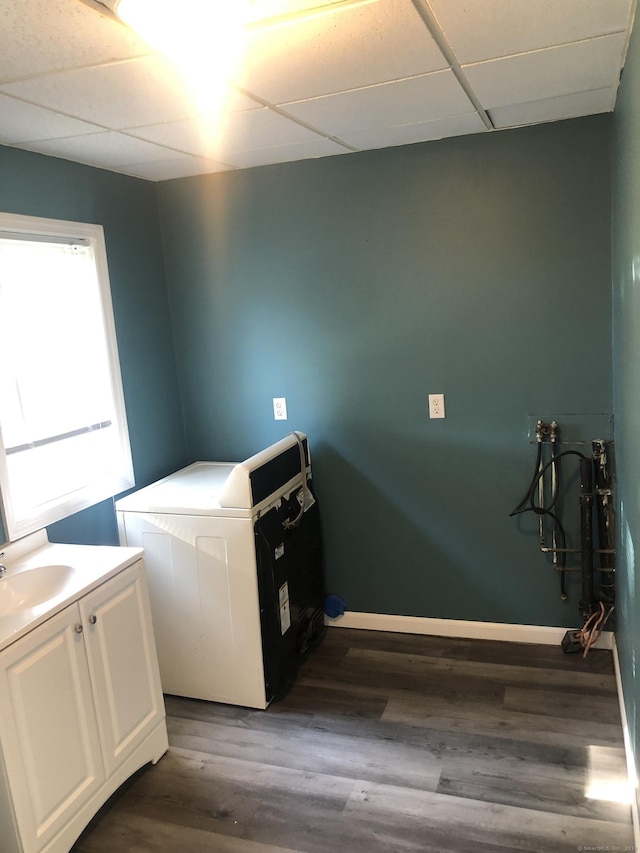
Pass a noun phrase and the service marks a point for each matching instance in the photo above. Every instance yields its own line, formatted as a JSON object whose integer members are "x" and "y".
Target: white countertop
{"x": 92, "y": 565}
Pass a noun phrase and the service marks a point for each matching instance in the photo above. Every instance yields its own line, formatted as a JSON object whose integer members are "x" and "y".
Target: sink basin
{"x": 32, "y": 587}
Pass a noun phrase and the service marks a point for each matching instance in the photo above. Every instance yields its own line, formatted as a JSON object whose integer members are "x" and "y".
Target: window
{"x": 64, "y": 442}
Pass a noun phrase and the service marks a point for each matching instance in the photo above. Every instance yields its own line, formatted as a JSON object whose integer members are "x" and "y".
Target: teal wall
{"x": 626, "y": 367}
{"x": 34, "y": 185}
{"x": 477, "y": 267}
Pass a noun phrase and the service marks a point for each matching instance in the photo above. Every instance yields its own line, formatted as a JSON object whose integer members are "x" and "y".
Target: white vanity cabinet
{"x": 116, "y": 620}
{"x": 49, "y": 732}
{"x": 81, "y": 709}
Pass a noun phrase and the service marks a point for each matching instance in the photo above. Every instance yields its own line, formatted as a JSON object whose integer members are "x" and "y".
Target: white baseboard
{"x": 628, "y": 749}
{"x": 459, "y": 628}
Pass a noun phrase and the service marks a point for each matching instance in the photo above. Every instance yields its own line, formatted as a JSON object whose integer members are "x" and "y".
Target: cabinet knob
{"x": 79, "y": 628}
{"x": 93, "y": 619}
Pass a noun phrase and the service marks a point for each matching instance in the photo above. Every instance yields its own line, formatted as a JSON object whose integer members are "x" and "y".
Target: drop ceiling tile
{"x": 167, "y": 170}
{"x": 126, "y": 94}
{"x": 493, "y": 28}
{"x": 547, "y": 73}
{"x": 106, "y": 150}
{"x": 239, "y": 131}
{"x": 190, "y": 136}
{"x": 261, "y": 11}
{"x": 347, "y": 48}
{"x": 417, "y": 99}
{"x": 318, "y": 147}
{"x": 21, "y": 122}
{"x": 265, "y": 128}
{"x": 554, "y": 109}
{"x": 47, "y": 35}
{"x": 387, "y": 137}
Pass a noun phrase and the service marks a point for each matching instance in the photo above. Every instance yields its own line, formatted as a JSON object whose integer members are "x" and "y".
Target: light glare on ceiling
{"x": 204, "y": 41}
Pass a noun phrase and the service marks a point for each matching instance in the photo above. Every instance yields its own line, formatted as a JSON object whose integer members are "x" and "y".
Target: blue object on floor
{"x": 334, "y": 606}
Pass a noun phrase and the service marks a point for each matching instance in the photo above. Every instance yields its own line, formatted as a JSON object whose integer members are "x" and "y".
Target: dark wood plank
{"x": 564, "y": 702}
{"x": 391, "y": 743}
{"x": 129, "y": 832}
{"x": 308, "y": 749}
{"x": 555, "y": 789}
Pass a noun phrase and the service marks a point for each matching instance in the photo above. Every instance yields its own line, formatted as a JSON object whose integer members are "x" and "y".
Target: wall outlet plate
{"x": 436, "y": 406}
{"x": 280, "y": 408}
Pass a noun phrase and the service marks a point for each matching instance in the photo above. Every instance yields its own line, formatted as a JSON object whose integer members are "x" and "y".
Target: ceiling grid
{"x": 317, "y": 79}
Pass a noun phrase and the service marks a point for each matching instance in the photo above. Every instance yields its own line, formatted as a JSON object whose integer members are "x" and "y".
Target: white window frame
{"x": 65, "y": 505}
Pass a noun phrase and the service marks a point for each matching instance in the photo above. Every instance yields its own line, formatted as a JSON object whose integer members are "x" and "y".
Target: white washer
{"x": 233, "y": 589}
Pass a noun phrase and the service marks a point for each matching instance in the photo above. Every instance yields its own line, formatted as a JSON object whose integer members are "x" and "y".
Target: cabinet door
{"x": 123, "y": 663}
{"x": 49, "y": 730}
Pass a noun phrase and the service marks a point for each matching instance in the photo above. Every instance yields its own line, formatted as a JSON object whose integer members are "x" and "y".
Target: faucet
{"x": 3, "y": 568}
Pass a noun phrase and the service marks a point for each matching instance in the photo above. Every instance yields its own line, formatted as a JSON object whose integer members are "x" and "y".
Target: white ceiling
{"x": 367, "y": 74}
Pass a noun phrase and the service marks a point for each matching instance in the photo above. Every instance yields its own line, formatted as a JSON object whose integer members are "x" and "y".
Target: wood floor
{"x": 391, "y": 742}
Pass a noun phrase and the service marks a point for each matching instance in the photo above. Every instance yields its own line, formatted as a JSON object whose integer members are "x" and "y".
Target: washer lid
{"x": 194, "y": 490}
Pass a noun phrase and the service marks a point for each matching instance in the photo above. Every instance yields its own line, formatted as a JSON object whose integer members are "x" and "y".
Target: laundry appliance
{"x": 234, "y": 563}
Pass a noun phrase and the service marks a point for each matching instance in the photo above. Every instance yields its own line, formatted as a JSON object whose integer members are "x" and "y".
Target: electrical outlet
{"x": 436, "y": 406}
{"x": 280, "y": 408}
